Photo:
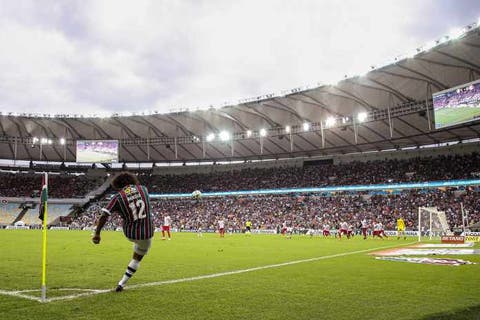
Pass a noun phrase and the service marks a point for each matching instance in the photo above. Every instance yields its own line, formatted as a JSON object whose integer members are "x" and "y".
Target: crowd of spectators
{"x": 306, "y": 211}
{"x": 372, "y": 172}
{"x": 301, "y": 210}
{"x": 59, "y": 186}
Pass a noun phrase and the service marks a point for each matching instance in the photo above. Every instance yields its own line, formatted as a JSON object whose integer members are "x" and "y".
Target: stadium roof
{"x": 389, "y": 107}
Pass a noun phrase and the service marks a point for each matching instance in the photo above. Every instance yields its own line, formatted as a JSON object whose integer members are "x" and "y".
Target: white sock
{"x": 131, "y": 269}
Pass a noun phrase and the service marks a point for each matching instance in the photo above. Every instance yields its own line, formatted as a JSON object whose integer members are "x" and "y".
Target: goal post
{"x": 432, "y": 222}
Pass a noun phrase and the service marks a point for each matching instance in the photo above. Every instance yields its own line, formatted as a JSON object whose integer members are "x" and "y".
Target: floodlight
{"x": 455, "y": 33}
{"x": 263, "y": 132}
{"x": 362, "y": 116}
{"x": 35, "y": 140}
{"x": 330, "y": 122}
{"x": 345, "y": 120}
{"x": 288, "y": 129}
{"x": 429, "y": 45}
{"x": 224, "y": 136}
{"x": 306, "y": 126}
{"x": 210, "y": 137}
{"x": 62, "y": 141}
{"x": 43, "y": 141}
{"x": 249, "y": 133}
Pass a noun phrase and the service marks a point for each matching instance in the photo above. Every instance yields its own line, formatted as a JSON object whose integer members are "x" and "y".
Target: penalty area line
{"x": 208, "y": 276}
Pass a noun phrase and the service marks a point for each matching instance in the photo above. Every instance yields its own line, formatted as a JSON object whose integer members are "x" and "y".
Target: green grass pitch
{"x": 350, "y": 286}
{"x": 451, "y": 116}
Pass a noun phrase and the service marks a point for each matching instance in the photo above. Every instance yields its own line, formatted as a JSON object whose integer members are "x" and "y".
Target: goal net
{"x": 432, "y": 222}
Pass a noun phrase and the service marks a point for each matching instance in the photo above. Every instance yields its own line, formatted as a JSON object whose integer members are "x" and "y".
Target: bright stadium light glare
{"x": 306, "y": 126}
{"x": 249, "y": 133}
{"x": 43, "y": 141}
{"x": 210, "y": 137}
{"x": 429, "y": 45}
{"x": 49, "y": 141}
{"x": 288, "y": 129}
{"x": 362, "y": 116}
{"x": 455, "y": 33}
{"x": 345, "y": 120}
{"x": 330, "y": 122}
{"x": 263, "y": 132}
{"x": 35, "y": 140}
{"x": 224, "y": 136}
{"x": 62, "y": 141}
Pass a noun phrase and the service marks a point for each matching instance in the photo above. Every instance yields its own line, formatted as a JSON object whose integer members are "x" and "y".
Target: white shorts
{"x": 141, "y": 247}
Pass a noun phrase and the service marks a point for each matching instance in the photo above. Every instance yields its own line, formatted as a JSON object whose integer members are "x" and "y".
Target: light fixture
{"x": 62, "y": 141}
{"x": 362, "y": 116}
{"x": 49, "y": 141}
{"x": 306, "y": 126}
{"x": 345, "y": 120}
{"x": 249, "y": 133}
{"x": 35, "y": 140}
{"x": 288, "y": 129}
{"x": 455, "y": 33}
{"x": 224, "y": 136}
{"x": 43, "y": 141}
{"x": 330, "y": 122}
{"x": 263, "y": 132}
{"x": 210, "y": 137}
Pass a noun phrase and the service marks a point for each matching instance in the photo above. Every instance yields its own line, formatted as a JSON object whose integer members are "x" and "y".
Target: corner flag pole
{"x": 43, "y": 201}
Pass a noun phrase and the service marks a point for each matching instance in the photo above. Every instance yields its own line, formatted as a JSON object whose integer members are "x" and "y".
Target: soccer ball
{"x": 197, "y": 194}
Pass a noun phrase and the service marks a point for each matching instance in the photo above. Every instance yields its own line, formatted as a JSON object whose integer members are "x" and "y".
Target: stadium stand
{"x": 60, "y": 186}
{"x": 372, "y": 172}
{"x": 306, "y": 211}
{"x": 9, "y": 212}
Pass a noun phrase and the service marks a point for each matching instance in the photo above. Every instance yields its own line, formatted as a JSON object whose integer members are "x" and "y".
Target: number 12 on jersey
{"x": 137, "y": 207}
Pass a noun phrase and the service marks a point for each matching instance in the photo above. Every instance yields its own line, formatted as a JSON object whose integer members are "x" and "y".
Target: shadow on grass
{"x": 472, "y": 313}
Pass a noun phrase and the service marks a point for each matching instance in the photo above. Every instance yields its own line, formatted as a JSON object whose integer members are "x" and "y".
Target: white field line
{"x": 208, "y": 276}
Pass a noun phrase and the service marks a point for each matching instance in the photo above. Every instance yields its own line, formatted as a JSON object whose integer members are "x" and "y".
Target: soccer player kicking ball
{"x": 131, "y": 202}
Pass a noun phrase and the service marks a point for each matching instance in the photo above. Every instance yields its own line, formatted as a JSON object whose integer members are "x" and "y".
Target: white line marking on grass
{"x": 19, "y": 295}
{"x": 91, "y": 292}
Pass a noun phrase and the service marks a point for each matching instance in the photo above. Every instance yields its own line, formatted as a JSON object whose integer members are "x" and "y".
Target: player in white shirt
{"x": 221, "y": 227}
{"x": 310, "y": 232}
{"x": 377, "y": 227}
{"x": 364, "y": 228}
{"x": 326, "y": 230}
{"x": 382, "y": 231}
{"x": 350, "y": 231}
{"x": 289, "y": 232}
{"x": 167, "y": 222}
{"x": 343, "y": 229}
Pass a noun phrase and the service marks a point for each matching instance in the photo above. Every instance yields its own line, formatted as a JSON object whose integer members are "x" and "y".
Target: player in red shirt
{"x": 131, "y": 202}
{"x": 364, "y": 228}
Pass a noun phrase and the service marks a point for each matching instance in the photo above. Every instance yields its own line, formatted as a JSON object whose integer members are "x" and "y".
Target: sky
{"x": 86, "y": 57}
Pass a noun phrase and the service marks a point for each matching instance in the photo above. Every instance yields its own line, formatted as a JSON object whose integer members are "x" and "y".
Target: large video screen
{"x": 100, "y": 151}
{"x": 457, "y": 105}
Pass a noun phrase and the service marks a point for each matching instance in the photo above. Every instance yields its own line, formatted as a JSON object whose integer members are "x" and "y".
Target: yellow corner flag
{"x": 43, "y": 216}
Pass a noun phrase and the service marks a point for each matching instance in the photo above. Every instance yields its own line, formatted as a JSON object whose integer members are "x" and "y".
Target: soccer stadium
{"x": 356, "y": 198}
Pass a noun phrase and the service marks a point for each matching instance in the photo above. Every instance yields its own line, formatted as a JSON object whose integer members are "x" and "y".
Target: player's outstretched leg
{"x": 131, "y": 269}
{"x": 140, "y": 248}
